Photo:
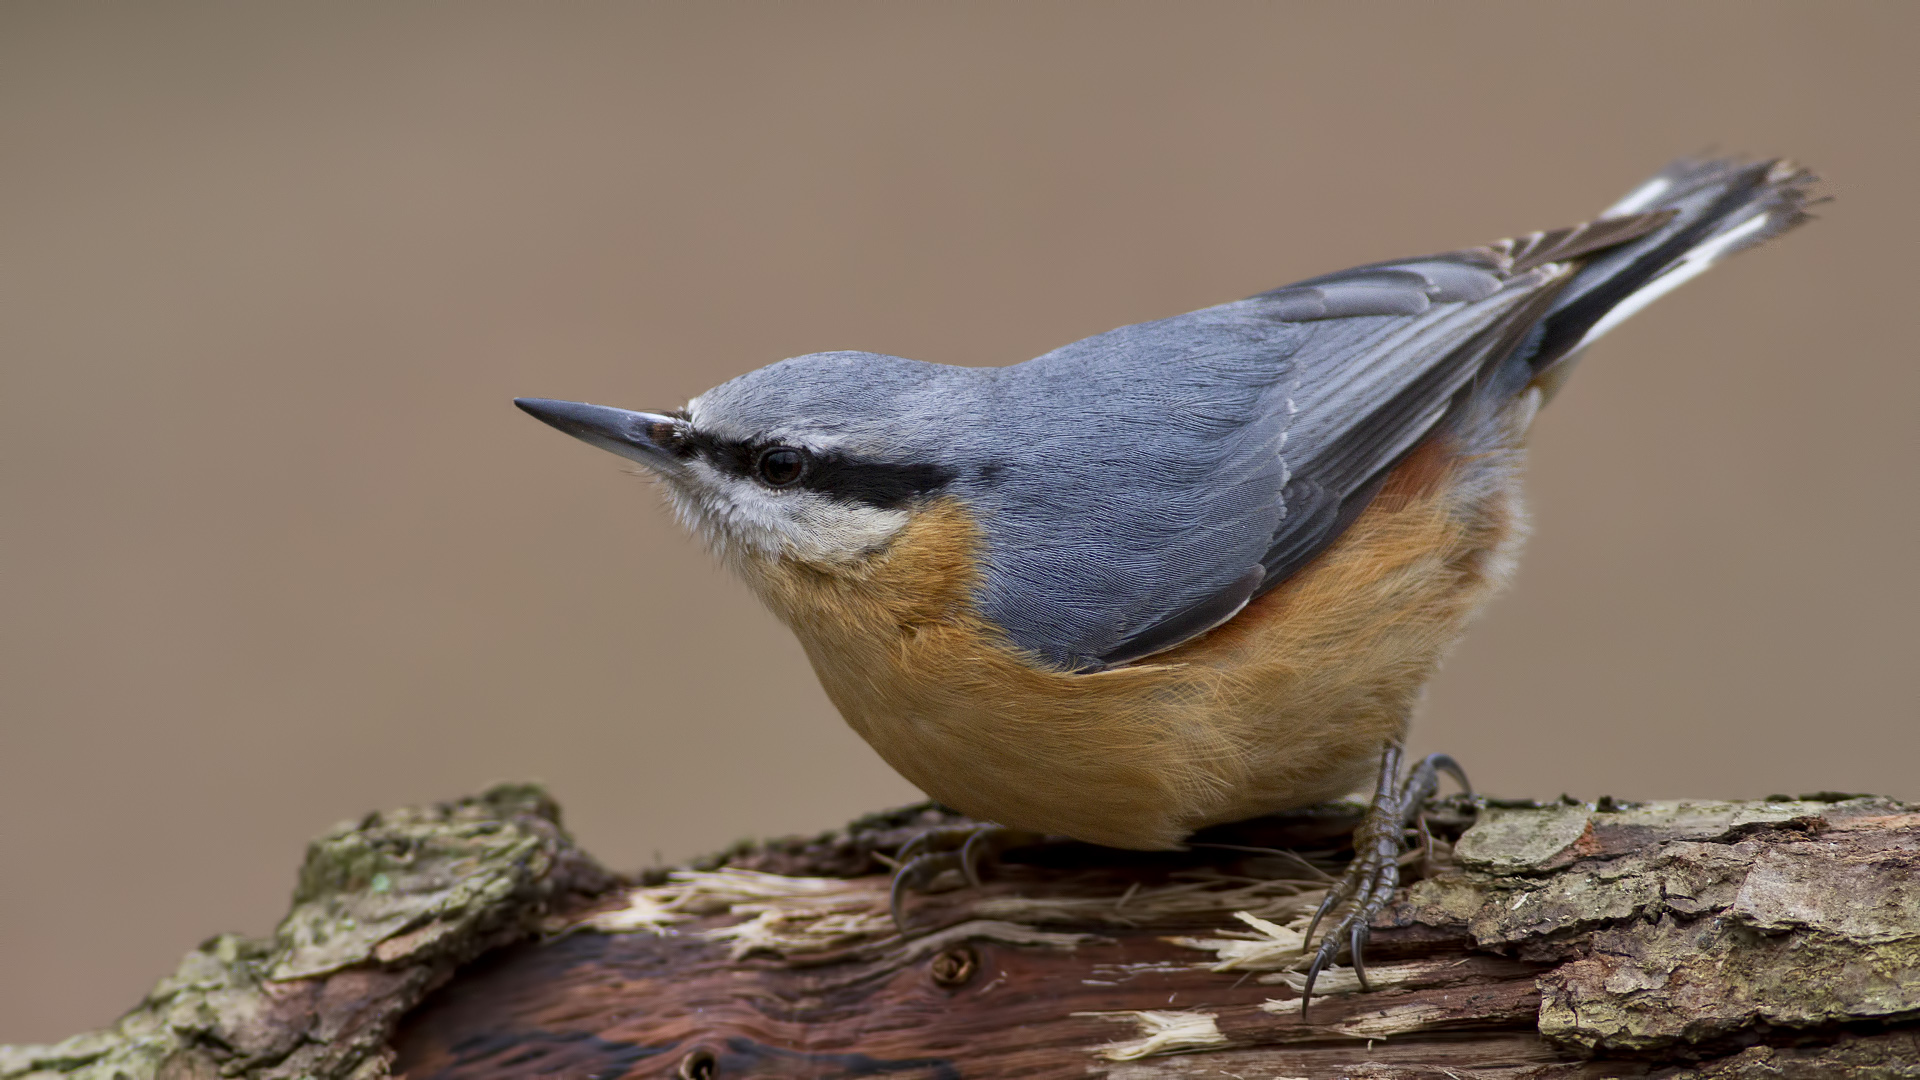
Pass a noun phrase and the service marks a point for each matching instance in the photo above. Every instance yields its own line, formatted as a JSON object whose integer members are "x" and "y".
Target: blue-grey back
{"x": 1139, "y": 486}
{"x": 1139, "y": 472}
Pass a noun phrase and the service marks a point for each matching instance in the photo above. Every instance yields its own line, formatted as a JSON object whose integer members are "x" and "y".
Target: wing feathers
{"x": 1412, "y": 286}
{"x": 1190, "y": 623}
{"x": 1369, "y": 361}
{"x": 1558, "y": 245}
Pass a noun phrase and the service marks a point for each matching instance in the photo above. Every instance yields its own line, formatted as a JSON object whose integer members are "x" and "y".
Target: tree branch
{"x": 1541, "y": 942}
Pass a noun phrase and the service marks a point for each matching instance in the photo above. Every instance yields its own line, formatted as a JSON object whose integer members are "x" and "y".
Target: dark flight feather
{"x": 1394, "y": 348}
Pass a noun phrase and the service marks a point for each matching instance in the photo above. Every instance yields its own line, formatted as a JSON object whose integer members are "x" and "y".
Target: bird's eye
{"x": 780, "y": 466}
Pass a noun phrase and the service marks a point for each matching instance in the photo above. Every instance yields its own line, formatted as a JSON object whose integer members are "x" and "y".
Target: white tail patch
{"x": 1689, "y": 266}
{"x": 1640, "y": 198}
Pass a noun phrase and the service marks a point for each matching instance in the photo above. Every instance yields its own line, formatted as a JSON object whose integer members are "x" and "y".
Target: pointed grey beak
{"x": 648, "y": 438}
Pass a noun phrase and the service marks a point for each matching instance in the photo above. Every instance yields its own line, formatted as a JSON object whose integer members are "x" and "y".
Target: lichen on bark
{"x": 1678, "y": 941}
{"x": 385, "y": 908}
{"x": 1692, "y": 924}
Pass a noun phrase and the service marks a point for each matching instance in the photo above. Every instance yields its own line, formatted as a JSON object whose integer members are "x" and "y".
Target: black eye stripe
{"x": 882, "y": 484}
{"x": 887, "y": 485}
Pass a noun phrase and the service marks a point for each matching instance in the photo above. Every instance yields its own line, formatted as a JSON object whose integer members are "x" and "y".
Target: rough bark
{"x": 1776, "y": 939}
{"x": 386, "y": 909}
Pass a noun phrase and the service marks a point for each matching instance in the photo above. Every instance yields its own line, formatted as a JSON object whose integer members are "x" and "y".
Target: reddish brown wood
{"x": 1775, "y": 940}
{"x": 641, "y": 1006}
{"x": 944, "y": 1006}
{"x": 980, "y": 990}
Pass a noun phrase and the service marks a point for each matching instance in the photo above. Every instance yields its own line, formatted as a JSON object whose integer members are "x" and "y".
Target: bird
{"x": 1189, "y": 571}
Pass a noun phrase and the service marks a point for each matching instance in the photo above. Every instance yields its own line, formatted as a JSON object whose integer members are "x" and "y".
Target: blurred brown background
{"x": 278, "y": 549}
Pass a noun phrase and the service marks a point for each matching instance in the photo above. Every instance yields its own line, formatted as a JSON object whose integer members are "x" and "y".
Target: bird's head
{"x": 819, "y": 459}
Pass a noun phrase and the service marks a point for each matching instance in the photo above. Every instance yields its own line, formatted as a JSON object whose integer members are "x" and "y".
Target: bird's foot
{"x": 924, "y": 858}
{"x": 1374, "y": 872}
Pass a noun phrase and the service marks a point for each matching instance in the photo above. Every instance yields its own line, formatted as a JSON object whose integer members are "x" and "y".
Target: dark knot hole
{"x": 955, "y": 966}
{"x": 699, "y": 1065}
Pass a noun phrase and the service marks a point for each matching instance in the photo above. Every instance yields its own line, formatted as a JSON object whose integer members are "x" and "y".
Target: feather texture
{"x": 1138, "y": 488}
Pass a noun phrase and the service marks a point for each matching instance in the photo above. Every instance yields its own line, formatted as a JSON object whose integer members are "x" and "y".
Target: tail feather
{"x": 1717, "y": 207}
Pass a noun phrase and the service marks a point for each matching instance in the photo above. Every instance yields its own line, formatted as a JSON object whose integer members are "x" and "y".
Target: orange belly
{"x": 1287, "y": 704}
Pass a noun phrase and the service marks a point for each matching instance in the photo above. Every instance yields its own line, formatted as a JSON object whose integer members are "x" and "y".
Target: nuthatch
{"x": 1184, "y": 572}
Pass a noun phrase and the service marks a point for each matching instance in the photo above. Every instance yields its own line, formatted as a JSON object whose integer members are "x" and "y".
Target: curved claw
{"x": 1358, "y": 946}
{"x": 1374, "y": 873}
{"x": 931, "y": 840}
{"x": 1335, "y": 896}
{"x": 911, "y": 849}
{"x": 1380, "y": 879}
{"x": 920, "y": 862}
{"x": 970, "y": 856}
{"x": 916, "y": 873}
{"x": 1329, "y": 948}
{"x": 897, "y": 899}
{"x": 1424, "y": 781}
{"x": 896, "y": 906}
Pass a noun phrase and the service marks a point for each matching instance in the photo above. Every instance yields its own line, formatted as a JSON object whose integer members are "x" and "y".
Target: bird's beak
{"x": 648, "y": 438}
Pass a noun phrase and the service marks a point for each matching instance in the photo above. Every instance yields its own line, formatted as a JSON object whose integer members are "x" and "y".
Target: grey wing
{"x": 1382, "y": 354}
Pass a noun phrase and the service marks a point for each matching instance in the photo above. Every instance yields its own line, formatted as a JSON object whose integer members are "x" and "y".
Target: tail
{"x": 1718, "y": 207}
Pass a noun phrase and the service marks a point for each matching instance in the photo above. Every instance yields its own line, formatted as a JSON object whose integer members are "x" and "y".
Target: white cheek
{"x": 738, "y": 517}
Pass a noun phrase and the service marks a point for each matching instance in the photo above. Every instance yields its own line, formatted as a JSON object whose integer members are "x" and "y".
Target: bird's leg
{"x": 932, "y": 853}
{"x": 1375, "y": 871}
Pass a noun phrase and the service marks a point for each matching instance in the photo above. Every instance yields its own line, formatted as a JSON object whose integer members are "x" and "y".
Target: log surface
{"x": 470, "y": 941}
{"x": 1702, "y": 939}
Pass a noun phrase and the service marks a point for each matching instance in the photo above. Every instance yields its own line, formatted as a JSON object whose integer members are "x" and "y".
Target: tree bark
{"x": 1775, "y": 939}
